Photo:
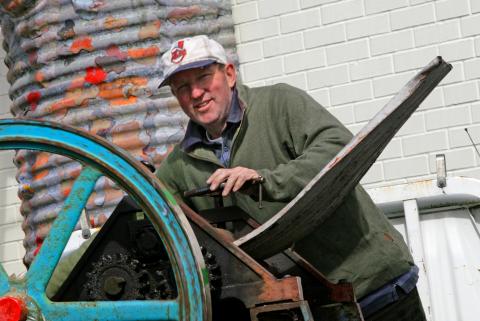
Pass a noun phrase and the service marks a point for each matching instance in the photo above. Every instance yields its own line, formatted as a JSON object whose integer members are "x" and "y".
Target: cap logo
{"x": 178, "y": 52}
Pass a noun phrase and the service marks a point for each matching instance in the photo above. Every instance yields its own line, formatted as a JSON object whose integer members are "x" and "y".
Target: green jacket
{"x": 288, "y": 138}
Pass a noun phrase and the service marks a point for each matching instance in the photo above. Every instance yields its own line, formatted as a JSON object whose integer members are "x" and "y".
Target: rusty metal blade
{"x": 325, "y": 192}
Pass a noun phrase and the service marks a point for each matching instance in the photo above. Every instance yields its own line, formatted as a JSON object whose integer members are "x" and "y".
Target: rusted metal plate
{"x": 267, "y": 288}
{"x": 325, "y": 192}
{"x": 95, "y": 65}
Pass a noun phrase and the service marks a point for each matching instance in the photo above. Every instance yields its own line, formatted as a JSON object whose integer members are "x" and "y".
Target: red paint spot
{"x": 95, "y": 75}
{"x": 12, "y": 309}
{"x": 33, "y": 98}
{"x": 114, "y": 51}
{"x": 83, "y": 43}
{"x": 32, "y": 57}
{"x": 39, "y": 242}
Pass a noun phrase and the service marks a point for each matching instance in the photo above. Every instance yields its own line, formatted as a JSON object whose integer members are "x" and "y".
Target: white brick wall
{"x": 353, "y": 55}
{"x": 11, "y": 234}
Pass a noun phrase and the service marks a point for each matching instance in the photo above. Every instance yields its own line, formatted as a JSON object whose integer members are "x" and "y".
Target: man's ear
{"x": 231, "y": 74}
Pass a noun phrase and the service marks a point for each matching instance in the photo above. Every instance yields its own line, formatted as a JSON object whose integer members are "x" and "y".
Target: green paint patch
{"x": 206, "y": 279}
{"x": 169, "y": 197}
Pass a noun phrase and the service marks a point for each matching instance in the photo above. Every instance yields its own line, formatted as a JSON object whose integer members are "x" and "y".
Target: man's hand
{"x": 234, "y": 178}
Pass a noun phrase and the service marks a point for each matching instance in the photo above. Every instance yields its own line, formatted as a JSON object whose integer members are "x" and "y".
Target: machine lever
{"x": 205, "y": 190}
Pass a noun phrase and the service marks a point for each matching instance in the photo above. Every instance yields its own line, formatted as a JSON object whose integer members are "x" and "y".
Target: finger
{"x": 239, "y": 182}
{"x": 217, "y": 178}
{"x": 214, "y": 175}
{"x": 229, "y": 184}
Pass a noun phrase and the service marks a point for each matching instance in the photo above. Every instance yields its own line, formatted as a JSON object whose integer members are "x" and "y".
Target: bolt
{"x": 114, "y": 286}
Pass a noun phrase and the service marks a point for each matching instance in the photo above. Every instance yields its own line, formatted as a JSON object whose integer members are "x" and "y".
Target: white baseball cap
{"x": 194, "y": 52}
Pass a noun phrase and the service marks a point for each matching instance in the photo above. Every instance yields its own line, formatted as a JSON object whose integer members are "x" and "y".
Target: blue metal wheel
{"x": 98, "y": 158}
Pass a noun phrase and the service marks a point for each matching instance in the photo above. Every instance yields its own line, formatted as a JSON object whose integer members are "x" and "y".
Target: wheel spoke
{"x": 108, "y": 310}
{"x": 51, "y": 250}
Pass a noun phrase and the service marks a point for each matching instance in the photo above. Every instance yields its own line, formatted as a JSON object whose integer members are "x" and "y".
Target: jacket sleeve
{"x": 312, "y": 136}
{"x": 166, "y": 173}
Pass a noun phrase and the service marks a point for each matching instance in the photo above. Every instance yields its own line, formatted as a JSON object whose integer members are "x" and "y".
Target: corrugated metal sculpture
{"x": 94, "y": 64}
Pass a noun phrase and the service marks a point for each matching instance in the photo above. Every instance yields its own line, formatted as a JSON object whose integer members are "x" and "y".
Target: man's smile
{"x": 202, "y": 106}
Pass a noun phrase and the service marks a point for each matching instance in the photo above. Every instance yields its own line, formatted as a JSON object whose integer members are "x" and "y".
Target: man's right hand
{"x": 234, "y": 179}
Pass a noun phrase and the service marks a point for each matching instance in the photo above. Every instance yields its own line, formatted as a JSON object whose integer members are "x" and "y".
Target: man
{"x": 280, "y": 136}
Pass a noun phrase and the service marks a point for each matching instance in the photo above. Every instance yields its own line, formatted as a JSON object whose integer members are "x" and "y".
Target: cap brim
{"x": 195, "y": 64}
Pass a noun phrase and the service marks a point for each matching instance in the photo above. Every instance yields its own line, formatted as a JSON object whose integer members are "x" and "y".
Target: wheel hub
{"x": 13, "y": 309}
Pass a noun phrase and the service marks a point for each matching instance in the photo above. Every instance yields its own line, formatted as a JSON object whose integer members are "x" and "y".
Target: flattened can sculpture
{"x": 94, "y": 64}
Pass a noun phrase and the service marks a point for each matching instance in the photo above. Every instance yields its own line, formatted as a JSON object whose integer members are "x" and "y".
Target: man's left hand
{"x": 234, "y": 178}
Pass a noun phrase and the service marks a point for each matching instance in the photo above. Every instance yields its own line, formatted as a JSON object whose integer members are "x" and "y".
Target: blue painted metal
{"x": 43, "y": 266}
{"x": 193, "y": 301}
{"x": 105, "y": 310}
{"x": 3, "y": 281}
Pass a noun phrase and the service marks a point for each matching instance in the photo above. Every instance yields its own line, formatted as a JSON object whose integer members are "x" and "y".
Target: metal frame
{"x": 413, "y": 202}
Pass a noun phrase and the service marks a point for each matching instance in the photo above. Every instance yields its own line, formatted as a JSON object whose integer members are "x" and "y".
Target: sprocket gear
{"x": 114, "y": 277}
{"x": 120, "y": 277}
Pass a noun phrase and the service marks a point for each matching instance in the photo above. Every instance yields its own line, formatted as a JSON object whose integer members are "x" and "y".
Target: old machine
{"x": 156, "y": 259}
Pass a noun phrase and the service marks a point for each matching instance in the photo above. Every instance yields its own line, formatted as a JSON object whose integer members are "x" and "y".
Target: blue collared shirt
{"x": 196, "y": 134}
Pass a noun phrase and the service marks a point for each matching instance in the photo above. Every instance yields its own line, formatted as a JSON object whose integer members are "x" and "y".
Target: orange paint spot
{"x": 113, "y": 23}
{"x": 150, "y": 30}
{"x": 82, "y": 43}
{"x": 127, "y": 136}
{"x": 74, "y": 98}
{"x": 115, "y": 89}
{"x": 110, "y": 93}
{"x": 66, "y": 188}
{"x": 40, "y": 161}
{"x": 33, "y": 98}
{"x": 138, "y": 53}
{"x": 122, "y": 102}
{"x": 39, "y": 76}
{"x": 61, "y": 104}
{"x": 74, "y": 173}
{"x": 41, "y": 174}
{"x": 95, "y": 75}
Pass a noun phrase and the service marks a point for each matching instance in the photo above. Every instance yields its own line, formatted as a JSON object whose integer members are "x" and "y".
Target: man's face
{"x": 205, "y": 93}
